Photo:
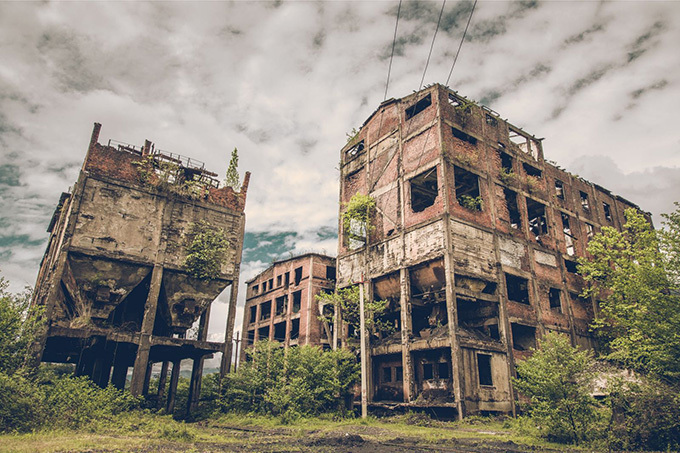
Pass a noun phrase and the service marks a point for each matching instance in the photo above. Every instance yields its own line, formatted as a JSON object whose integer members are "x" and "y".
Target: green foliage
{"x": 533, "y": 183}
{"x": 206, "y": 251}
{"x": 507, "y": 176}
{"x": 352, "y": 135}
{"x": 19, "y": 325}
{"x": 357, "y": 215}
{"x": 302, "y": 381}
{"x": 471, "y": 203}
{"x": 556, "y": 380}
{"x": 347, "y": 299}
{"x": 636, "y": 284}
{"x": 233, "y": 179}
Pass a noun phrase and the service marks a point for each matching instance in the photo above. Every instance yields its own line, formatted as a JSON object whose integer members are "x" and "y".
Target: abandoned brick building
{"x": 473, "y": 242}
{"x": 114, "y": 279}
{"x": 281, "y": 303}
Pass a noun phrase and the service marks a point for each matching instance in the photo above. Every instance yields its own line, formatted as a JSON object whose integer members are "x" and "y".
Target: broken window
{"x": 478, "y": 317}
{"x": 424, "y": 190}
{"x": 607, "y": 211}
{"x": 280, "y": 331}
{"x": 584, "y": 201}
{"x": 443, "y": 370}
{"x": 270, "y": 284}
{"x": 281, "y": 305}
{"x": 523, "y": 337}
{"x": 518, "y": 289}
{"x": 330, "y": 272}
{"x": 255, "y": 289}
{"x": 555, "y": 300}
{"x": 460, "y": 135}
{"x": 355, "y": 150}
{"x": 538, "y": 224}
{"x": 297, "y": 300}
{"x": 251, "y": 337}
{"x": 559, "y": 189}
{"x": 524, "y": 143}
{"x": 484, "y": 369}
{"x": 263, "y": 333}
{"x": 571, "y": 266}
{"x": 427, "y": 371}
{"x": 568, "y": 236}
{"x": 286, "y": 279}
{"x": 387, "y": 374}
{"x": 453, "y": 100}
{"x": 506, "y": 162}
{"x": 298, "y": 275}
{"x": 467, "y": 189}
{"x": 428, "y": 299}
{"x": 278, "y": 281}
{"x": 501, "y": 145}
{"x": 266, "y": 310}
{"x": 399, "y": 374}
{"x": 513, "y": 210}
{"x": 418, "y": 107}
{"x": 491, "y": 120}
{"x": 294, "y": 328}
{"x": 589, "y": 230}
{"x": 253, "y": 314}
{"x": 530, "y": 170}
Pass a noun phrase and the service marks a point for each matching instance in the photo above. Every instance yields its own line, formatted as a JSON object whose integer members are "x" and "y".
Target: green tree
{"x": 206, "y": 251}
{"x": 634, "y": 275}
{"x": 18, "y": 326}
{"x": 233, "y": 179}
{"x": 556, "y": 381}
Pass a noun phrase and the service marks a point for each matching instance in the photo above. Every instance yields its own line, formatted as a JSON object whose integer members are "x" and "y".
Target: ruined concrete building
{"x": 473, "y": 242}
{"x": 281, "y": 304}
{"x": 118, "y": 283}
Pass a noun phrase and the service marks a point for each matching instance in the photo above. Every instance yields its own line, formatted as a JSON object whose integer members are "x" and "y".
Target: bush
{"x": 21, "y": 404}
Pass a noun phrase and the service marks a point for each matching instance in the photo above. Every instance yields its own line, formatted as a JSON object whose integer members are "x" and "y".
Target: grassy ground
{"x": 143, "y": 432}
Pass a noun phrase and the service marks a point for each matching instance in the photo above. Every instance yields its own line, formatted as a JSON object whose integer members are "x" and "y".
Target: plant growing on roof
{"x": 357, "y": 216}
{"x": 232, "y": 179}
{"x": 206, "y": 251}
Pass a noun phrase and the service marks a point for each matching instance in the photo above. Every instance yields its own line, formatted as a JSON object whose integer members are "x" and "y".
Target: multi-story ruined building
{"x": 281, "y": 303}
{"x": 115, "y": 281}
{"x": 473, "y": 242}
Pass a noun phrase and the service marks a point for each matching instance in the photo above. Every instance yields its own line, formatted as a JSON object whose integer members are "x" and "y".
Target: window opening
{"x": 280, "y": 331}
{"x": 453, "y": 100}
{"x": 281, "y": 305}
{"x": 584, "y": 201}
{"x": 530, "y": 170}
{"x": 266, "y": 310}
{"x": 607, "y": 211}
{"x": 506, "y": 162}
{"x": 427, "y": 371}
{"x": 559, "y": 189}
{"x": 251, "y": 337}
{"x": 418, "y": 107}
{"x": 467, "y": 189}
{"x": 387, "y": 374}
{"x": 263, "y": 333}
{"x": 255, "y": 289}
{"x": 330, "y": 272}
{"x": 298, "y": 275}
{"x": 491, "y": 120}
{"x": 355, "y": 150}
{"x": 571, "y": 266}
{"x": 523, "y": 337}
{"x": 501, "y": 145}
{"x": 278, "y": 281}
{"x": 513, "y": 210}
{"x": 589, "y": 230}
{"x": 399, "y": 374}
{"x": 443, "y": 370}
{"x": 460, "y": 135}
{"x": 568, "y": 236}
{"x": 424, "y": 190}
{"x": 270, "y": 284}
{"x": 478, "y": 317}
{"x": 297, "y": 300}
{"x": 538, "y": 224}
{"x": 518, "y": 289}
{"x": 525, "y": 144}
{"x": 253, "y": 314}
{"x": 484, "y": 369}
{"x": 294, "y": 329}
{"x": 555, "y": 302}
{"x": 286, "y": 279}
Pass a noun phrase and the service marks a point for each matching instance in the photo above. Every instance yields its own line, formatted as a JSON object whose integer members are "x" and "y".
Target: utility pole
{"x": 364, "y": 358}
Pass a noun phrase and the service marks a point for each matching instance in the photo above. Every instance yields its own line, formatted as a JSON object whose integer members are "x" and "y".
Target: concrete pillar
{"x": 161, "y": 384}
{"x": 147, "y": 378}
{"x": 139, "y": 371}
{"x": 225, "y": 366}
{"x": 120, "y": 369}
{"x": 102, "y": 368}
{"x": 172, "y": 389}
{"x": 406, "y": 332}
{"x": 197, "y": 369}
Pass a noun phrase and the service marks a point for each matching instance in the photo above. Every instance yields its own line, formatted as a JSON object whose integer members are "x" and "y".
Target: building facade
{"x": 115, "y": 280}
{"x": 281, "y": 304}
{"x": 473, "y": 242}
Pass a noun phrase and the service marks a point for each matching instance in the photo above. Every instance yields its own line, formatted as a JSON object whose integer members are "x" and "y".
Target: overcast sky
{"x": 285, "y": 81}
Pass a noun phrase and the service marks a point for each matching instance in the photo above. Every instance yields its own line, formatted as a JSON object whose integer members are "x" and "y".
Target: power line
{"x": 427, "y": 63}
{"x": 394, "y": 42}
{"x": 461, "y": 42}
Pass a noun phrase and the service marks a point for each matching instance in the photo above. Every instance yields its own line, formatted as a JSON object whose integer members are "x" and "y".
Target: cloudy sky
{"x": 285, "y": 81}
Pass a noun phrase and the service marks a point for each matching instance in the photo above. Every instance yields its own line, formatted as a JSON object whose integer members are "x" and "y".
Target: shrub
{"x": 21, "y": 407}
{"x": 206, "y": 250}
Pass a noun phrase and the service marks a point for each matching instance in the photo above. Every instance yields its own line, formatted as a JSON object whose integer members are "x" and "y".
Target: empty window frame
{"x": 454, "y": 101}
{"x": 443, "y": 370}
{"x": 571, "y": 266}
{"x": 607, "y": 211}
{"x": 387, "y": 374}
{"x": 424, "y": 190}
{"x": 491, "y": 120}
{"x": 484, "y": 369}
{"x": 418, "y": 107}
{"x": 467, "y": 189}
{"x": 523, "y": 337}
{"x": 281, "y": 305}
{"x": 524, "y": 143}
{"x": 253, "y": 314}
{"x": 427, "y": 371}
{"x": 355, "y": 150}
{"x": 530, "y": 170}
{"x": 294, "y": 329}
{"x": 286, "y": 279}
{"x": 506, "y": 162}
{"x": 278, "y": 280}
{"x": 568, "y": 235}
{"x": 584, "y": 201}
{"x": 559, "y": 189}
{"x": 255, "y": 289}
{"x": 538, "y": 224}
{"x": 330, "y": 272}
{"x": 297, "y": 300}
{"x": 517, "y": 288}
{"x": 251, "y": 337}
{"x": 590, "y": 230}
{"x": 263, "y": 333}
{"x": 270, "y": 283}
{"x": 399, "y": 374}
{"x": 513, "y": 210}
{"x": 554, "y": 296}
{"x": 298, "y": 275}
{"x": 266, "y": 310}
{"x": 460, "y": 135}
{"x": 280, "y": 331}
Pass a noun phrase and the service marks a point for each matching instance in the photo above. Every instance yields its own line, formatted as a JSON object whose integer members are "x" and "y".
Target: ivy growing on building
{"x": 206, "y": 251}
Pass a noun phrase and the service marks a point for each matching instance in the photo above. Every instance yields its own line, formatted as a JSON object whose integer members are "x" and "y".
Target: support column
{"x": 197, "y": 369}
{"x": 147, "y": 378}
{"x": 142, "y": 359}
{"x": 225, "y": 366}
{"x": 120, "y": 369}
{"x": 172, "y": 390}
{"x": 102, "y": 368}
{"x": 406, "y": 333}
{"x": 161, "y": 384}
